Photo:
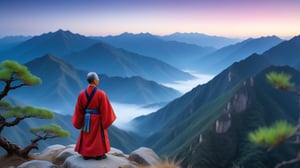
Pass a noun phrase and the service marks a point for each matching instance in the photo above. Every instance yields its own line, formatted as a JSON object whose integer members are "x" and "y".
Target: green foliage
{"x": 10, "y": 72}
{"x": 280, "y": 80}
{"x": 5, "y": 105}
{"x": 10, "y": 68}
{"x": 273, "y": 135}
{"x": 53, "y": 129}
{"x": 27, "y": 111}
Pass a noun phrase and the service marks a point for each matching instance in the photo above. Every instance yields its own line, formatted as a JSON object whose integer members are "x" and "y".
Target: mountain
{"x": 136, "y": 90}
{"x": 104, "y": 58}
{"x": 209, "y": 126}
{"x": 58, "y": 43}
{"x": 286, "y": 53}
{"x": 212, "y": 122}
{"x": 60, "y": 86}
{"x": 62, "y": 83}
{"x": 200, "y": 96}
{"x": 224, "y": 142}
{"x": 222, "y": 58}
{"x": 177, "y": 54}
{"x": 201, "y": 39}
{"x": 11, "y": 41}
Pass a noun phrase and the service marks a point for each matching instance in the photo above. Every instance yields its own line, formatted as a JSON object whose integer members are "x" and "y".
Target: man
{"x": 93, "y": 117}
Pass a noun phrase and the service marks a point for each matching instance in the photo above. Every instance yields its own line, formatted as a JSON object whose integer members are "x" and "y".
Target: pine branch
{"x": 8, "y": 86}
{"x": 287, "y": 162}
{"x": 16, "y": 121}
{"x": 5, "y": 90}
{"x": 34, "y": 142}
{"x": 17, "y": 86}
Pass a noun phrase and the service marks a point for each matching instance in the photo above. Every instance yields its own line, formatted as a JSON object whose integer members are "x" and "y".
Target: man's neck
{"x": 93, "y": 85}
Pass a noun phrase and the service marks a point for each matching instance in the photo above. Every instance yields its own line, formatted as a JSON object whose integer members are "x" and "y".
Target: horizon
{"x": 229, "y": 18}
{"x": 240, "y": 38}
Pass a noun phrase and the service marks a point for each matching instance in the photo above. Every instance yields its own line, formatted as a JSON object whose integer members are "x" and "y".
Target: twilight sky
{"x": 231, "y": 18}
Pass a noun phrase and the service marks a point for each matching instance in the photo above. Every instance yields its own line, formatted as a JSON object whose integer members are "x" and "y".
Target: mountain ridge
{"x": 126, "y": 64}
{"x": 61, "y": 82}
{"x": 224, "y": 57}
{"x": 204, "y": 112}
{"x": 201, "y": 39}
{"x": 153, "y": 46}
{"x": 58, "y": 43}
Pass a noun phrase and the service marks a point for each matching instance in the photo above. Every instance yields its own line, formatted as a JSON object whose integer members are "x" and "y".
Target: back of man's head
{"x": 91, "y": 76}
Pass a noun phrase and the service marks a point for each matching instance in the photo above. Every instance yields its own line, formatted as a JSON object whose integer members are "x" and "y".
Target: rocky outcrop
{"x": 37, "y": 164}
{"x": 237, "y": 104}
{"x": 111, "y": 161}
{"x": 144, "y": 156}
{"x": 59, "y": 156}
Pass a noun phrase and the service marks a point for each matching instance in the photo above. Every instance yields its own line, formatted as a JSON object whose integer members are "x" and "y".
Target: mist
{"x": 126, "y": 112}
{"x": 187, "y": 85}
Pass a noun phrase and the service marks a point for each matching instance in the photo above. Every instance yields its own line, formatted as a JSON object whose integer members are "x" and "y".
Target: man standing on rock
{"x": 93, "y": 114}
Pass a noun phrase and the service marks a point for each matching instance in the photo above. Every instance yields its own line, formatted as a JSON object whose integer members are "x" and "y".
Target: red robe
{"x": 95, "y": 142}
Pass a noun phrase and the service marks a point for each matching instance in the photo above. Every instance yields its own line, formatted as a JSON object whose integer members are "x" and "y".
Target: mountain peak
{"x": 48, "y": 59}
{"x": 139, "y": 35}
{"x": 201, "y": 39}
{"x": 59, "y": 43}
{"x": 62, "y": 31}
{"x": 296, "y": 38}
{"x": 273, "y": 37}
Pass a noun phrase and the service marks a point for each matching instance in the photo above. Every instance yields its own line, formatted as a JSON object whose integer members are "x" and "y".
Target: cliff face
{"x": 253, "y": 103}
{"x": 239, "y": 103}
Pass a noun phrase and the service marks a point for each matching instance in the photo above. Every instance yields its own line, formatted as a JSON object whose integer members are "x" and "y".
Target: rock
{"x": 37, "y": 164}
{"x": 53, "y": 148}
{"x": 145, "y": 156}
{"x": 117, "y": 152}
{"x": 222, "y": 126}
{"x": 63, "y": 155}
{"x": 50, "y": 153}
{"x": 71, "y": 146}
{"x": 59, "y": 156}
{"x": 111, "y": 161}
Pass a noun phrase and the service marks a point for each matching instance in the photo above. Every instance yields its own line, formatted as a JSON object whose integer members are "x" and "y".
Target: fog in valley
{"x": 126, "y": 112}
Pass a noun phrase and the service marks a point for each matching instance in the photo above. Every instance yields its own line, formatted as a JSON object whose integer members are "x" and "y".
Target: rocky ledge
{"x": 59, "y": 156}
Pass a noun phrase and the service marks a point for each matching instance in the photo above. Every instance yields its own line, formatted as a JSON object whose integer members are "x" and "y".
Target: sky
{"x": 230, "y": 18}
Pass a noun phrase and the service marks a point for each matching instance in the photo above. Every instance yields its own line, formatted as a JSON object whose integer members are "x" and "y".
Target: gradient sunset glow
{"x": 231, "y": 18}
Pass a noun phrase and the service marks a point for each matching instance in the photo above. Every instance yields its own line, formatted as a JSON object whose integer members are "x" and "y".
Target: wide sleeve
{"x": 78, "y": 116}
{"x": 107, "y": 112}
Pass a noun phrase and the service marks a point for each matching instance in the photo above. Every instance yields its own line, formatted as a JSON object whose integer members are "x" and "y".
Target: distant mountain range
{"x": 201, "y": 39}
{"x": 219, "y": 60}
{"x": 166, "y": 58}
{"x": 57, "y": 43}
{"x": 189, "y": 55}
{"x": 176, "y": 53}
{"x": 106, "y": 59}
{"x": 12, "y": 41}
{"x": 286, "y": 53}
{"x": 208, "y": 126}
{"x": 62, "y": 83}
{"x": 90, "y": 54}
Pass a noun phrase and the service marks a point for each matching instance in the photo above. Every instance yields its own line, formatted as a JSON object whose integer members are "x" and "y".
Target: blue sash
{"x": 88, "y": 112}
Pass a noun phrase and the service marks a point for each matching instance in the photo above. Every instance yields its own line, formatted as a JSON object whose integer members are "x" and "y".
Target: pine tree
{"x": 280, "y": 131}
{"x": 15, "y": 76}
